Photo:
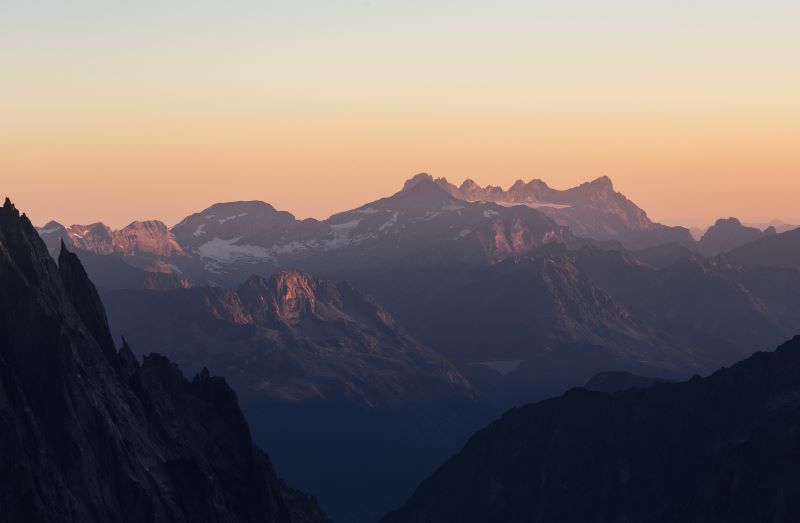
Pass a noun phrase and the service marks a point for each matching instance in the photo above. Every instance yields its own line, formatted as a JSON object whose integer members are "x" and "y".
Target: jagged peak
{"x": 146, "y": 224}
{"x": 469, "y": 184}
{"x": 416, "y": 180}
{"x": 94, "y": 228}
{"x": 84, "y": 297}
{"x": 603, "y": 182}
{"x": 538, "y": 183}
{"x": 52, "y": 224}
{"x": 423, "y": 192}
{"x": 10, "y": 208}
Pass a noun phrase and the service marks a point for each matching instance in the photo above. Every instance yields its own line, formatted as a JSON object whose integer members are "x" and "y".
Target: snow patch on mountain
{"x": 218, "y": 253}
{"x": 451, "y": 206}
{"x": 536, "y": 205}
{"x": 294, "y": 247}
{"x": 344, "y": 228}
{"x": 223, "y": 220}
{"x": 341, "y": 234}
{"x": 391, "y": 222}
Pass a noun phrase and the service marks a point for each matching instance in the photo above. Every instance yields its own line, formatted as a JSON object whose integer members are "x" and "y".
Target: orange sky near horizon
{"x": 114, "y": 113}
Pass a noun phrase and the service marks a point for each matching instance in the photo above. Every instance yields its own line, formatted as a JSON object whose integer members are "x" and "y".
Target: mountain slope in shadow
{"x": 721, "y": 448}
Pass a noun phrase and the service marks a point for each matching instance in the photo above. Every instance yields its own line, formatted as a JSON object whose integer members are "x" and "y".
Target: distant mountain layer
{"x": 430, "y": 222}
{"x": 689, "y": 317}
{"x": 148, "y": 237}
{"x": 226, "y": 243}
{"x": 89, "y": 434}
{"x": 728, "y": 234}
{"x": 779, "y": 226}
{"x": 592, "y": 210}
{"x": 776, "y": 251}
{"x": 141, "y": 255}
{"x": 421, "y": 225}
{"x": 722, "y": 448}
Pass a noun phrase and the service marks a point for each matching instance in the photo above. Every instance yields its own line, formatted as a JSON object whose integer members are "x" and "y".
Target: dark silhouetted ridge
{"x": 718, "y": 449}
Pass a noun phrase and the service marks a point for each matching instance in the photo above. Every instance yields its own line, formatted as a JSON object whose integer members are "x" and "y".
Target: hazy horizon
{"x": 117, "y": 112}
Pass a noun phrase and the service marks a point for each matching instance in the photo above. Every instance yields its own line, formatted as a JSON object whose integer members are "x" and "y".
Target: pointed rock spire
{"x": 84, "y": 297}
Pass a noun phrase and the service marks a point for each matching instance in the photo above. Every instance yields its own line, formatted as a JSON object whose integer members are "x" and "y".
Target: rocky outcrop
{"x": 88, "y": 434}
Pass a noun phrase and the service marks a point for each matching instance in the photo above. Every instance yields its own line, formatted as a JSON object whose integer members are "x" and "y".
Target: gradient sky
{"x": 117, "y": 111}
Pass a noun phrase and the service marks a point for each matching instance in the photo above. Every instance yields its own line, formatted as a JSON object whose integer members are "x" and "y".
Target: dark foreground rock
{"x": 722, "y": 448}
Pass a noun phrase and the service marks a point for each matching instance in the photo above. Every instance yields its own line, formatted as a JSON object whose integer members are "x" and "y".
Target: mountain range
{"x": 592, "y": 210}
{"x": 380, "y": 338}
{"x": 488, "y": 285}
{"x": 430, "y": 221}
